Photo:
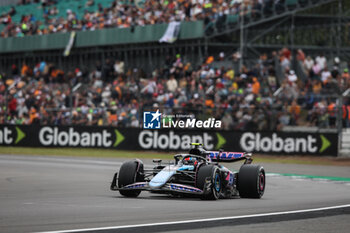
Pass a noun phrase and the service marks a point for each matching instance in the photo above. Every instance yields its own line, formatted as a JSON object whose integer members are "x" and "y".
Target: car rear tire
{"x": 251, "y": 181}
{"x": 129, "y": 173}
{"x": 213, "y": 172}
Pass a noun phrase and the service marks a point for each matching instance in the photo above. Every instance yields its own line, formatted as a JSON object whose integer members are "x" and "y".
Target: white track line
{"x": 200, "y": 220}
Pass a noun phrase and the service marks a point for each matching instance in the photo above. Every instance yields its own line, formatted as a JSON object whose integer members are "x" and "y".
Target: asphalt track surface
{"x": 62, "y": 193}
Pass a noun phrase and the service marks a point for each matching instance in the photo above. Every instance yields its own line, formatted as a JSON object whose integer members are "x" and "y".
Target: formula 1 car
{"x": 197, "y": 173}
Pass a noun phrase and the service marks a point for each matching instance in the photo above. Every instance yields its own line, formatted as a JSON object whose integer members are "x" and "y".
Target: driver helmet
{"x": 190, "y": 161}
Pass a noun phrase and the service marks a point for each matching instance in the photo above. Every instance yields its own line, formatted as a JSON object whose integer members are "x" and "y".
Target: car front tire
{"x": 129, "y": 173}
{"x": 213, "y": 173}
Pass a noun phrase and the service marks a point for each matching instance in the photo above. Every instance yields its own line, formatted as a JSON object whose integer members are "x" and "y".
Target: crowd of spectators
{"x": 128, "y": 14}
{"x": 316, "y": 88}
{"x": 113, "y": 94}
{"x": 43, "y": 3}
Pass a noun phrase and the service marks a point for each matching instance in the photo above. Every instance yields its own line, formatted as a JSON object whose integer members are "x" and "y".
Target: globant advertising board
{"x": 169, "y": 139}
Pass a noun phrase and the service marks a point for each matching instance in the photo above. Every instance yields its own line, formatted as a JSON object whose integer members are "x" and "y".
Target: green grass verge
{"x": 332, "y": 178}
{"x": 109, "y": 153}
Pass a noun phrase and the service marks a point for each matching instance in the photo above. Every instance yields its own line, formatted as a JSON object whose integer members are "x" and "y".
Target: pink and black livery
{"x": 222, "y": 156}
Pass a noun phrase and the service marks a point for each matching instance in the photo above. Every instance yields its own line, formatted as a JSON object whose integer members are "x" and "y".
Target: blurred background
{"x": 261, "y": 65}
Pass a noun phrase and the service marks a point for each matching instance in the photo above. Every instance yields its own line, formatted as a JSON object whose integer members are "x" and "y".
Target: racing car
{"x": 197, "y": 173}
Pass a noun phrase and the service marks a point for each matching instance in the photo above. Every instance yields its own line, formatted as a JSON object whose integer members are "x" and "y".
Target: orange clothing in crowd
{"x": 24, "y": 70}
{"x": 117, "y": 89}
{"x": 32, "y": 115}
{"x": 317, "y": 87}
{"x": 331, "y": 109}
{"x": 210, "y": 60}
{"x": 209, "y": 103}
{"x": 255, "y": 86}
{"x": 112, "y": 118}
{"x": 295, "y": 109}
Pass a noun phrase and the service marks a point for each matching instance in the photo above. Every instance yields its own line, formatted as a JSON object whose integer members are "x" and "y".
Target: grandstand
{"x": 265, "y": 28}
{"x": 238, "y": 59}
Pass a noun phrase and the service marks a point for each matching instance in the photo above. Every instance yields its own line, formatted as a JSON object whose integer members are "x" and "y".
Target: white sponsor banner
{"x": 70, "y": 44}
{"x": 171, "y": 33}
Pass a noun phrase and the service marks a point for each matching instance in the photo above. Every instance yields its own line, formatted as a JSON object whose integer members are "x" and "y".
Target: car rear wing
{"x": 229, "y": 157}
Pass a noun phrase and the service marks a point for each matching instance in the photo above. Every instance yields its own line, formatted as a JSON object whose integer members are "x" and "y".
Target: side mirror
{"x": 157, "y": 161}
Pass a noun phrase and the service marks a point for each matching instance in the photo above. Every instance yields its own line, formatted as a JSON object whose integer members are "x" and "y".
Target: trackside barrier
{"x": 295, "y": 143}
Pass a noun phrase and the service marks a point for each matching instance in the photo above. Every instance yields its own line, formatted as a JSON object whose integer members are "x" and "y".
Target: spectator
{"x": 321, "y": 61}
{"x": 292, "y": 77}
{"x": 255, "y": 86}
{"x": 172, "y": 84}
{"x": 308, "y": 64}
{"x": 325, "y": 74}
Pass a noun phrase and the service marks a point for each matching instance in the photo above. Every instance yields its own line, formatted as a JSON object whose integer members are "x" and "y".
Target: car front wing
{"x": 166, "y": 188}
